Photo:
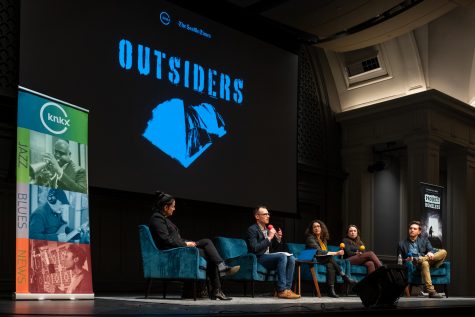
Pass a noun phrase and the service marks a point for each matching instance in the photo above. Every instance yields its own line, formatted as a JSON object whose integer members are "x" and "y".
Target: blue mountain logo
{"x": 184, "y": 133}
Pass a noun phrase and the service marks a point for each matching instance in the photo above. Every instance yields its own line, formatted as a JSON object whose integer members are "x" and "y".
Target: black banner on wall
{"x": 431, "y": 216}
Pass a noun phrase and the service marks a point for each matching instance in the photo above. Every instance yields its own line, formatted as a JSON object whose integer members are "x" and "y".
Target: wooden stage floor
{"x": 137, "y": 305}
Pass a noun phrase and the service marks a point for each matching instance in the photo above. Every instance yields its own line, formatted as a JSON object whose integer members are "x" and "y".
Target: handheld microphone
{"x": 362, "y": 248}
{"x": 342, "y": 246}
{"x": 270, "y": 227}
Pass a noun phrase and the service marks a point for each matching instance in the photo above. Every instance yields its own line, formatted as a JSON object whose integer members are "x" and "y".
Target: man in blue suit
{"x": 418, "y": 249}
{"x": 266, "y": 243}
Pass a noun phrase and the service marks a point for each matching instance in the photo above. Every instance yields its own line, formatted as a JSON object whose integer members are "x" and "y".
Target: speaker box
{"x": 383, "y": 287}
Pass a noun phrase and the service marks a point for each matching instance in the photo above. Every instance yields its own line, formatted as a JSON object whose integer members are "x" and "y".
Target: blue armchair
{"x": 173, "y": 264}
{"x": 439, "y": 276}
{"x": 320, "y": 270}
{"x": 234, "y": 252}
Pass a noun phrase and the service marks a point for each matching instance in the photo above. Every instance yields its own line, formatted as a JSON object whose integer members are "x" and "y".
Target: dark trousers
{"x": 209, "y": 252}
{"x": 332, "y": 269}
{"x": 367, "y": 258}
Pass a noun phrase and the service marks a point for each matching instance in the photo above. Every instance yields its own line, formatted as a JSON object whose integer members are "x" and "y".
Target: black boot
{"x": 331, "y": 291}
{"x": 218, "y": 294}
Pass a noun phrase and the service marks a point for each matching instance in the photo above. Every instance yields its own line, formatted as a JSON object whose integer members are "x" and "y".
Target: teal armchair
{"x": 234, "y": 252}
{"x": 439, "y": 276}
{"x": 357, "y": 272}
{"x": 166, "y": 265}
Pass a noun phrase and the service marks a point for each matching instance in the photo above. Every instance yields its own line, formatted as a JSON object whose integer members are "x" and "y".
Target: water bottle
{"x": 399, "y": 259}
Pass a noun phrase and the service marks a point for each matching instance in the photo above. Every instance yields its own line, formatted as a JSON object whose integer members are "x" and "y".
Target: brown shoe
{"x": 294, "y": 294}
{"x": 287, "y": 294}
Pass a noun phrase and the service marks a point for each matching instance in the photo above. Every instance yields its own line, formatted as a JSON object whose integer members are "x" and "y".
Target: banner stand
{"x": 432, "y": 210}
{"x": 29, "y": 296}
{"x": 53, "y": 254}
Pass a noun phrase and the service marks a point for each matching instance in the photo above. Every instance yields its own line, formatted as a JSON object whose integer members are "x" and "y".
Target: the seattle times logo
{"x": 165, "y": 18}
{"x": 54, "y": 118}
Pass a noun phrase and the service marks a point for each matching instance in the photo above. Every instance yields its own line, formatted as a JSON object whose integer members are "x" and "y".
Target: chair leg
{"x": 298, "y": 286}
{"x": 315, "y": 280}
{"x": 149, "y": 286}
{"x": 245, "y": 288}
{"x": 165, "y": 284}
{"x": 252, "y": 288}
{"x": 194, "y": 290}
{"x": 446, "y": 291}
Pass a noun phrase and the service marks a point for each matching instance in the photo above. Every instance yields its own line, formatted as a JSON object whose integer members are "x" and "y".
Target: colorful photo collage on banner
{"x": 53, "y": 236}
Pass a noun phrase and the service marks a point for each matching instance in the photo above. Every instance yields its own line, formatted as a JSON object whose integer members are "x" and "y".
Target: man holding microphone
{"x": 266, "y": 243}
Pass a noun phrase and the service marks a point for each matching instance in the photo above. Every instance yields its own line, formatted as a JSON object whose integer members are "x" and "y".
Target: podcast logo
{"x": 184, "y": 132}
{"x": 432, "y": 201}
{"x": 54, "y": 118}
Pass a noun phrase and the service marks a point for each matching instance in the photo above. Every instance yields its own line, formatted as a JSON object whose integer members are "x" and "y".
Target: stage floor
{"x": 136, "y": 305}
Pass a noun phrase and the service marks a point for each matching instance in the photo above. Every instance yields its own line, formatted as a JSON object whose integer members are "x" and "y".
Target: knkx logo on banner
{"x": 54, "y": 118}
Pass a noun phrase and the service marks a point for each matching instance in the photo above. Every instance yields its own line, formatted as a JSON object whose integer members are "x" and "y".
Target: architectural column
{"x": 357, "y": 192}
{"x": 470, "y": 223}
{"x": 423, "y": 154}
{"x": 456, "y": 222}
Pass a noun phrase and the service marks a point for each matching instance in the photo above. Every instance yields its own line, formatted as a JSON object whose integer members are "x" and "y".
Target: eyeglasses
{"x": 265, "y": 214}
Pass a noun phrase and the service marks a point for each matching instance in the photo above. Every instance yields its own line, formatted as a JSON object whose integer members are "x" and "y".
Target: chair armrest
{"x": 410, "y": 266}
{"x": 249, "y": 258}
{"x": 246, "y": 260}
{"x": 176, "y": 263}
{"x": 182, "y": 256}
{"x": 248, "y": 270}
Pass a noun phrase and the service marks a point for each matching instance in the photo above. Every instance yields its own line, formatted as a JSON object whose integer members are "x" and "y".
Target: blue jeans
{"x": 283, "y": 265}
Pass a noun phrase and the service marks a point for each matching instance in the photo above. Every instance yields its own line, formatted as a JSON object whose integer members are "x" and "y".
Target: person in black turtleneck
{"x": 356, "y": 252}
{"x": 167, "y": 236}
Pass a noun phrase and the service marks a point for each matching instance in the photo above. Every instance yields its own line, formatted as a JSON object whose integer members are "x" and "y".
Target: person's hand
{"x": 409, "y": 259}
{"x": 279, "y": 234}
{"x": 48, "y": 157}
{"x": 62, "y": 237}
{"x": 190, "y": 243}
{"x": 271, "y": 233}
{"x": 341, "y": 252}
{"x": 430, "y": 255}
